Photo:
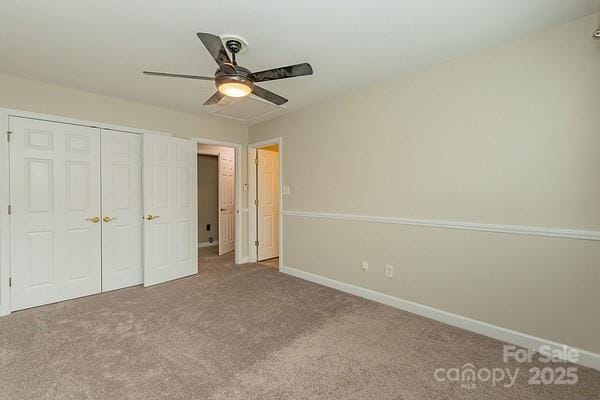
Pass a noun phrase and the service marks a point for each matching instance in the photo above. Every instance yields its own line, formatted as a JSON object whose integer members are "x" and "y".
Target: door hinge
{"x": 8, "y": 133}
{"x": 256, "y": 202}
{"x": 256, "y": 243}
{"x": 9, "y": 209}
{"x": 256, "y": 161}
{"x": 10, "y": 282}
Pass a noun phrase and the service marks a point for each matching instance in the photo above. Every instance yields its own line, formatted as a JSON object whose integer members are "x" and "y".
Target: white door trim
{"x": 4, "y": 220}
{"x": 238, "y": 192}
{"x": 252, "y": 256}
{"x": 4, "y": 184}
{"x": 75, "y": 121}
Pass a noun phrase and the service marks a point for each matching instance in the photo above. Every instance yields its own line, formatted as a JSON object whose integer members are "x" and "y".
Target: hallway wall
{"x": 208, "y": 197}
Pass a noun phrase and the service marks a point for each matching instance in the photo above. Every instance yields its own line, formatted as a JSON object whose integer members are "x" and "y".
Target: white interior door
{"x": 170, "y": 208}
{"x": 121, "y": 210}
{"x": 55, "y": 212}
{"x": 226, "y": 201}
{"x": 268, "y": 203}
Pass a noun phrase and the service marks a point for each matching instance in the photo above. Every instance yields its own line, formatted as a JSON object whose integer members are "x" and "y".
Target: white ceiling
{"x": 103, "y": 45}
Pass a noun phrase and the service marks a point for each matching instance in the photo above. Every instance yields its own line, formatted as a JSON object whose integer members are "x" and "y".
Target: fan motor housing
{"x": 237, "y": 75}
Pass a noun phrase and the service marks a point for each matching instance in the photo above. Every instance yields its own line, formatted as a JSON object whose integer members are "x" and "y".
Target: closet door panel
{"x": 55, "y": 199}
{"x": 170, "y": 209}
{"x": 121, "y": 210}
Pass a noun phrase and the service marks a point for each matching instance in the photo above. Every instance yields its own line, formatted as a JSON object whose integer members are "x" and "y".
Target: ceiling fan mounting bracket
{"x": 233, "y": 46}
{"x": 234, "y": 43}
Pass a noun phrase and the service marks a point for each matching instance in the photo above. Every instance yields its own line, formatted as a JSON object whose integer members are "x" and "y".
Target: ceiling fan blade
{"x": 215, "y": 47}
{"x": 202, "y": 78}
{"x": 214, "y": 99}
{"x": 283, "y": 72}
{"x": 268, "y": 95}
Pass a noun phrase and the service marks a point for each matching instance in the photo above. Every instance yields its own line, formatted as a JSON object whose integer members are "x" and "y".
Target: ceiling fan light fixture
{"x": 235, "y": 89}
{"x": 233, "y": 80}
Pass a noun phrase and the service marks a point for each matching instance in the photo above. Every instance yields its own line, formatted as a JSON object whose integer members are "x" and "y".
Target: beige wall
{"x": 510, "y": 135}
{"x": 208, "y": 197}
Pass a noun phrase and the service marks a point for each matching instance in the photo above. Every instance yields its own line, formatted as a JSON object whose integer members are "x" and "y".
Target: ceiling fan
{"x": 234, "y": 80}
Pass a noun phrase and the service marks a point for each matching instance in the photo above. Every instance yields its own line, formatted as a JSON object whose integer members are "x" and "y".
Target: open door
{"x": 170, "y": 209}
{"x": 226, "y": 201}
{"x": 268, "y": 203}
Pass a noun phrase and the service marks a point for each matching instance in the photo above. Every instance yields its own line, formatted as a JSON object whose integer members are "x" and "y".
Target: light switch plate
{"x": 389, "y": 271}
{"x": 286, "y": 190}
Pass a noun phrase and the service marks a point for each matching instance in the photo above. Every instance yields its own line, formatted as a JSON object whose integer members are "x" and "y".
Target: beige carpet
{"x": 271, "y": 262}
{"x": 246, "y": 332}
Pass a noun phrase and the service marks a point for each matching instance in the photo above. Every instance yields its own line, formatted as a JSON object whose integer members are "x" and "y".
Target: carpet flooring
{"x": 248, "y": 332}
{"x": 271, "y": 262}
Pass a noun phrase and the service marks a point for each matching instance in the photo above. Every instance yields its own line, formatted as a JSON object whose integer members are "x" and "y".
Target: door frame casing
{"x": 5, "y": 113}
{"x": 252, "y": 147}
{"x": 237, "y": 251}
{"x": 4, "y": 218}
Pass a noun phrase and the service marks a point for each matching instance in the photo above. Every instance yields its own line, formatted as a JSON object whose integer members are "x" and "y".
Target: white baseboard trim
{"x": 4, "y": 311}
{"x": 208, "y": 244}
{"x": 586, "y": 358}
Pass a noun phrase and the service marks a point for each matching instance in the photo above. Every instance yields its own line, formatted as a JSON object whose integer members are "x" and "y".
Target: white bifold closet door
{"x": 122, "y": 255}
{"x": 55, "y": 218}
{"x": 170, "y": 208}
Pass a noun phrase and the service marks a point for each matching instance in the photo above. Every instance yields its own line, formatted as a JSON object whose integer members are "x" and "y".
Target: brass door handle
{"x": 108, "y": 219}
{"x": 94, "y": 220}
{"x": 150, "y": 217}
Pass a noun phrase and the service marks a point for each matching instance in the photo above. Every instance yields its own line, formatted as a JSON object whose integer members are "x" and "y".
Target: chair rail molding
{"x": 460, "y": 225}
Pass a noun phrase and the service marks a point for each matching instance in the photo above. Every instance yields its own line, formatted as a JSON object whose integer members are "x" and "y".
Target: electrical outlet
{"x": 389, "y": 271}
{"x": 365, "y": 266}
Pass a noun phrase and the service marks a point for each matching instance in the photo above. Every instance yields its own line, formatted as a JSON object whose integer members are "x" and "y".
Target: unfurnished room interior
{"x": 300, "y": 200}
